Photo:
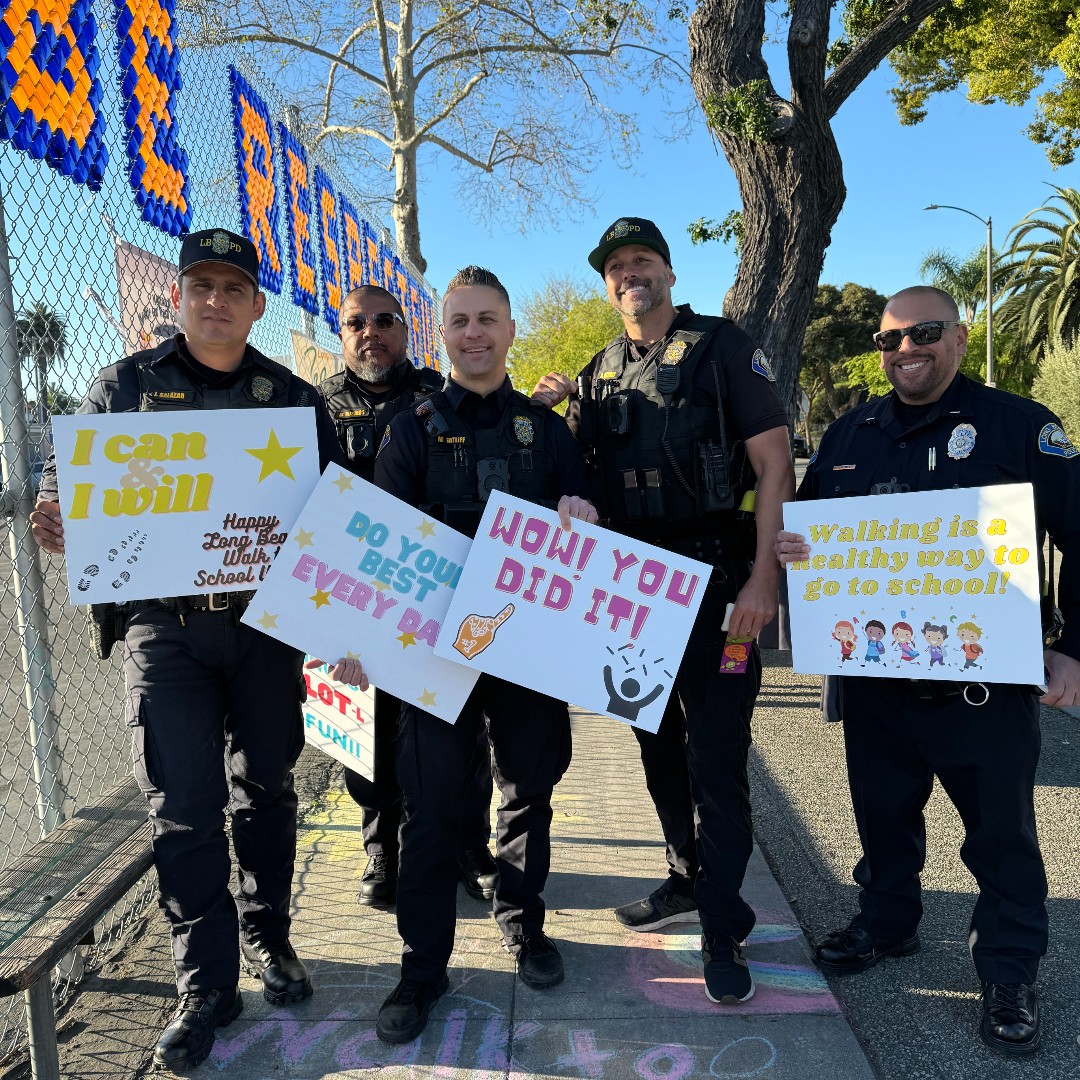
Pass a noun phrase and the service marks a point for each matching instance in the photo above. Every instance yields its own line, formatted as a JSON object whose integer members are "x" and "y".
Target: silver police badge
{"x": 524, "y": 431}
{"x": 961, "y": 441}
{"x": 674, "y": 352}
{"x": 219, "y": 245}
{"x": 262, "y": 389}
{"x": 622, "y": 228}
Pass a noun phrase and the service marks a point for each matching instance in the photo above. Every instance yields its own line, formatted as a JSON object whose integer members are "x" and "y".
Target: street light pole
{"x": 988, "y": 222}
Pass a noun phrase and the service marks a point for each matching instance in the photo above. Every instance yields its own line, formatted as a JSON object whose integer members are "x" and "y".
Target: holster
{"x": 106, "y": 624}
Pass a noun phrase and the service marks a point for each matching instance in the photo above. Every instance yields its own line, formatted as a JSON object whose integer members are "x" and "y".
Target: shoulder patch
{"x": 760, "y": 365}
{"x": 385, "y": 440}
{"x": 813, "y": 458}
{"x": 1054, "y": 441}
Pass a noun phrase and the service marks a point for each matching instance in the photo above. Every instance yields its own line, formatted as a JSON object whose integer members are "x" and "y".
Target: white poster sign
{"x": 178, "y": 503}
{"x": 366, "y": 575}
{"x": 587, "y": 614}
{"x": 339, "y": 720}
{"x": 924, "y": 585}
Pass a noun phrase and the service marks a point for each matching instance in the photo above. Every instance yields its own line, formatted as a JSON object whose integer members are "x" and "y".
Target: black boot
{"x": 284, "y": 977}
{"x": 189, "y": 1035}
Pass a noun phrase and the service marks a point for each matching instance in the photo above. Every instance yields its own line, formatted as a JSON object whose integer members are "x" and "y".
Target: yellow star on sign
{"x": 426, "y": 528}
{"x": 275, "y": 457}
{"x": 268, "y": 621}
{"x": 350, "y": 655}
{"x": 343, "y": 483}
{"x": 380, "y": 585}
{"x": 407, "y": 639}
{"x": 304, "y": 538}
{"x": 321, "y": 598}
{"x": 426, "y": 698}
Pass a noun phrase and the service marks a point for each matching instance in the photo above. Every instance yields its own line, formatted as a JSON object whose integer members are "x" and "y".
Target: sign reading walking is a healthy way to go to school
{"x": 583, "y": 614}
{"x": 923, "y": 585}
{"x": 366, "y": 575}
{"x": 178, "y": 503}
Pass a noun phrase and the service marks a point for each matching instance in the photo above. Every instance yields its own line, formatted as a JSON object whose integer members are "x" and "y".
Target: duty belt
{"x": 223, "y": 601}
{"x": 974, "y": 693}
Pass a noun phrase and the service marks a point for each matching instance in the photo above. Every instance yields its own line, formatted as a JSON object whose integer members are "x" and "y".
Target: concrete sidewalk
{"x": 632, "y": 1005}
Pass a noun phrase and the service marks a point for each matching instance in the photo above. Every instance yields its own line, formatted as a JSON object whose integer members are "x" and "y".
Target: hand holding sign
{"x": 477, "y": 632}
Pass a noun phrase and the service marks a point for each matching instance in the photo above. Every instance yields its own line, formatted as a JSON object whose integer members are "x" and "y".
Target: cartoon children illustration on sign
{"x": 935, "y": 640}
{"x": 970, "y": 634}
{"x": 624, "y": 701}
{"x": 902, "y": 635}
{"x": 875, "y": 647}
{"x": 844, "y": 632}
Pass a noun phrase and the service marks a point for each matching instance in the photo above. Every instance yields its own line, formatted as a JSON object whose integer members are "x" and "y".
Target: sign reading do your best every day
{"x": 178, "y": 503}
{"x": 923, "y": 585}
{"x": 585, "y": 614}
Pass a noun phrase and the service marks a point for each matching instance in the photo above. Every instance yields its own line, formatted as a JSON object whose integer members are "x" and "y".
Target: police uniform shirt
{"x": 751, "y": 403}
{"x": 972, "y": 436}
{"x": 116, "y": 390}
{"x": 402, "y": 464}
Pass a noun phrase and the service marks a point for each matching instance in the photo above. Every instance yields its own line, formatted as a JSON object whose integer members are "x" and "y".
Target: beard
{"x": 368, "y": 369}
{"x": 652, "y": 297}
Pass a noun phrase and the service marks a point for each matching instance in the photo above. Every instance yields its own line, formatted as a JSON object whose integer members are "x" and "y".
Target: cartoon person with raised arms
{"x": 844, "y": 632}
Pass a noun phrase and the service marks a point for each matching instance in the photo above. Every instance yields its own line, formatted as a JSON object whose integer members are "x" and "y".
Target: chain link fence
{"x": 88, "y": 278}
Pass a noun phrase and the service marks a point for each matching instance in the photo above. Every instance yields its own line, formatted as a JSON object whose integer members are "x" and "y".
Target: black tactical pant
{"x": 985, "y": 758}
{"x": 529, "y": 734}
{"x": 380, "y": 799}
{"x": 215, "y": 718}
{"x": 696, "y": 772}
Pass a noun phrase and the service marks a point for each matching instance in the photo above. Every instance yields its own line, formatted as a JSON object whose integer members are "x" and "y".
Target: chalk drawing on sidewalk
{"x": 666, "y": 968}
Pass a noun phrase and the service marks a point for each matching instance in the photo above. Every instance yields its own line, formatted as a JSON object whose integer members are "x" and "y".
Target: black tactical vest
{"x": 466, "y": 465}
{"x": 167, "y": 386}
{"x": 661, "y": 455}
{"x": 359, "y": 423}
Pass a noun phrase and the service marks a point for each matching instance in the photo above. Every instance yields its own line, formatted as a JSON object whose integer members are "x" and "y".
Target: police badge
{"x": 523, "y": 430}
{"x": 262, "y": 389}
{"x": 219, "y": 243}
{"x": 961, "y": 441}
{"x": 674, "y": 352}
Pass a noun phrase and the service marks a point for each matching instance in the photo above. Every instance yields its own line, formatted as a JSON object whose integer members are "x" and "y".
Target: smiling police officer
{"x": 378, "y": 383}
{"x": 938, "y": 430}
{"x": 202, "y": 687}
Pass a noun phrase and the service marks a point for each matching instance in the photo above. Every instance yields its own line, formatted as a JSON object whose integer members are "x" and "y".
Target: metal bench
{"x": 52, "y": 896}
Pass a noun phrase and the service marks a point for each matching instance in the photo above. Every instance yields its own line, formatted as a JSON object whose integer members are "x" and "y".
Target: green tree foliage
{"x": 842, "y": 321}
{"x": 964, "y": 281}
{"x": 560, "y": 327}
{"x": 1041, "y": 269}
{"x": 1058, "y": 383}
{"x": 865, "y": 370}
{"x": 998, "y": 50}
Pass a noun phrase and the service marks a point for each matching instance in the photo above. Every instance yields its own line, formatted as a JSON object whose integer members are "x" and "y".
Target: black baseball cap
{"x": 220, "y": 246}
{"x": 628, "y": 230}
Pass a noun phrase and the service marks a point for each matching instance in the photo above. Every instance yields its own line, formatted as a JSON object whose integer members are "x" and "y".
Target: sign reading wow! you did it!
{"x": 366, "y": 575}
{"x": 583, "y": 614}
{"x": 925, "y": 585}
{"x": 178, "y": 503}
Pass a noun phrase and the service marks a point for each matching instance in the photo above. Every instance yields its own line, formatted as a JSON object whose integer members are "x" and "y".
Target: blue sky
{"x": 972, "y": 156}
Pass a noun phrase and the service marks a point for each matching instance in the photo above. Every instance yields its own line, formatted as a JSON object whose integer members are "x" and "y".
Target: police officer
{"x": 446, "y": 455}
{"x": 201, "y": 686}
{"x": 670, "y": 414}
{"x": 937, "y": 430}
{"x": 379, "y": 382}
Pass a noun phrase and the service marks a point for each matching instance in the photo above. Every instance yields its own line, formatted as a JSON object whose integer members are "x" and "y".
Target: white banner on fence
{"x": 924, "y": 585}
{"x": 177, "y": 503}
{"x": 339, "y": 720}
{"x": 367, "y": 575}
{"x": 587, "y": 614}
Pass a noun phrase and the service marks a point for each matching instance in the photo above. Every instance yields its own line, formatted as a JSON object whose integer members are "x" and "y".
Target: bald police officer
{"x": 201, "y": 687}
{"x": 378, "y": 383}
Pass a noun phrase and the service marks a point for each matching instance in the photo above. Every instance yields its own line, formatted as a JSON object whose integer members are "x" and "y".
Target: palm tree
{"x": 1042, "y": 283}
{"x": 41, "y": 336}
{"x": 964, "y": 281}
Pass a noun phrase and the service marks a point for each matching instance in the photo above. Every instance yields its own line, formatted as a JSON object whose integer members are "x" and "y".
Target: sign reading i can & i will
{"x": 588, "y": 614}
{"x": 921, "y": 585}
{"x": 177, "y": 503}
{"x": 366, "y": 575}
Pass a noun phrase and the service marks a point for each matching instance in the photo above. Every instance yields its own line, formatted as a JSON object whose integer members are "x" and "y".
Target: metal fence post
{"x": 27, "y": 583}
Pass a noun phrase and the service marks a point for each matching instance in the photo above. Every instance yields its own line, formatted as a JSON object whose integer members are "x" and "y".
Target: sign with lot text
{"x": 339, "y": 720}
{"x": 922, "y": 585}
{"x": 180, "y": 502}
{"x": 366, "y": 575}
{"x": 586, "y": 615}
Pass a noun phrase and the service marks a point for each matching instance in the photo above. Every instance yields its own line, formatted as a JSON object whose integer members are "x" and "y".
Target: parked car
{"x": 798, "y": 445}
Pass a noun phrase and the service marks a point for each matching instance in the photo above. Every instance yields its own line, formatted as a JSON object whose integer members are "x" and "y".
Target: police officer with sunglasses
{"x": 938, "y": 429}
{"x": 378, "y": 383}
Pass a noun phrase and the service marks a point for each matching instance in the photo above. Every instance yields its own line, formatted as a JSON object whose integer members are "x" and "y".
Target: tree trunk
{"x": 406, "y": 208}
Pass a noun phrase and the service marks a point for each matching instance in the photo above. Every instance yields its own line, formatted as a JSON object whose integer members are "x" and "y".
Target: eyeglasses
{"x": 924, "y": 333}
{"x": 381, "y": 320}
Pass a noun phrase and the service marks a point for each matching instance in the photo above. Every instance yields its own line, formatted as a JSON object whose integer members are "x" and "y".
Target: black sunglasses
{"x": 924, "y": 333}
{"x": 382, "y": 320}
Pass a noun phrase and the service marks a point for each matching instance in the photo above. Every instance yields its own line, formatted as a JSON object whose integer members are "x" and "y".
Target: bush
{"x": 1057, "y": 384}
